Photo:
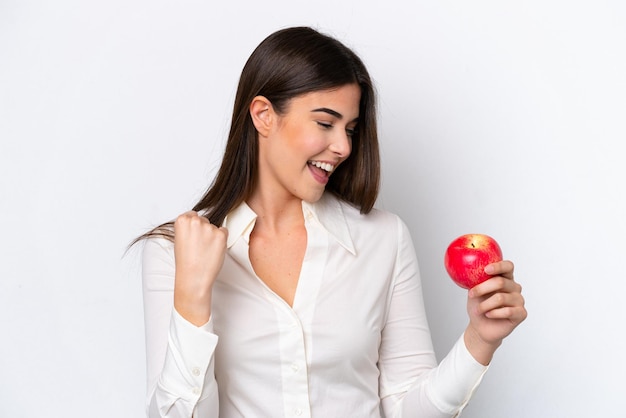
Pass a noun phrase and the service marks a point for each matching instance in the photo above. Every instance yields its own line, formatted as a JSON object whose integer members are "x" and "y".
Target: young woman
{"x": 283, "y": 292}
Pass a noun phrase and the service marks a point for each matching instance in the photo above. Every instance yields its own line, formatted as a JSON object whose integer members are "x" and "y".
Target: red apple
{"x": 467, "y": 256}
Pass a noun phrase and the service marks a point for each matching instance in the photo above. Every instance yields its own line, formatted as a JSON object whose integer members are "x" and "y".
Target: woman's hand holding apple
{"x": 495, "y": 308}
{"x": 495, "y": 303}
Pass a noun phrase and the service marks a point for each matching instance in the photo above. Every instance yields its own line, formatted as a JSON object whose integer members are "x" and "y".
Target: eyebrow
{"x": 331, "y": 112}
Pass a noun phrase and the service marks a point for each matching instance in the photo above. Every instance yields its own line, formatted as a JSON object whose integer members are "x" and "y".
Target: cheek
{"x": 308, "y": 142}
{"x": 315, "y": 139}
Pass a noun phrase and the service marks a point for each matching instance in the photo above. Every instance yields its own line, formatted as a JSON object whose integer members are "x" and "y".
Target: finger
{"x": 192, "y": 218}
{"x": 515, "y": 314}
{"x": 188, "y": 214}
{"x": 501, "y": 268}
{"x": 217, "y": 237}
{"x": 500, "y": 300}
{"x": 184, "y": 218}
{"x": 494, "y": 285}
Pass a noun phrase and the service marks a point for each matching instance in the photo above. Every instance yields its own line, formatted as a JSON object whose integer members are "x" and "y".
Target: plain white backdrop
{"x": 506, "y": 118}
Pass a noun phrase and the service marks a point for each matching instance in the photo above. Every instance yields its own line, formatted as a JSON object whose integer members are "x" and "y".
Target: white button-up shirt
{"x": 355, "y": 343}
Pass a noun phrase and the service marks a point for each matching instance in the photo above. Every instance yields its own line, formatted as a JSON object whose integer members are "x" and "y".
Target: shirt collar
{"x": 239, "y": 223}
{"x": 328, "y": 212}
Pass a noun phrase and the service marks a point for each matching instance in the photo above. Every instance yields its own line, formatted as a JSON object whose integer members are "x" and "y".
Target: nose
{"x": 341, "y": 145}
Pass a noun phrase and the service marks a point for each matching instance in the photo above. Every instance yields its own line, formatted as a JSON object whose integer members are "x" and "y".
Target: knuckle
{"x": 499, "y": 299}
{"x": 501, "y": 281}
{"x": 185, "y": 216}
{"x": 524, "y": 314}
{"x": 522, "y": 301}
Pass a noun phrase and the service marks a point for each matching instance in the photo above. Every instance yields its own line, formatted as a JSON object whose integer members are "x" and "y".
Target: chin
{"x": 312, "y": 197}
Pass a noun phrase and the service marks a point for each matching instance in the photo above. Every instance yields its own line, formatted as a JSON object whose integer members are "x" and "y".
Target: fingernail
{"x": 490, "y": 269}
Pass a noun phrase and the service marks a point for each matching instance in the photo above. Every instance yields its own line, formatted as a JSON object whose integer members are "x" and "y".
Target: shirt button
{"x": 294, "y": 367}
{"x": 196, "y": 371}
{"x": 298, "y": 411}
{"x": 196, "y": 391}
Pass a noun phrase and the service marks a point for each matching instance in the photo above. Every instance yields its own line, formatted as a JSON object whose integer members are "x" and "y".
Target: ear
{"x": 262, "y": 114}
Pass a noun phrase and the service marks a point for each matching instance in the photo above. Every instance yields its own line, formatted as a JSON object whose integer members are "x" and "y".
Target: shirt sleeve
{"x": 411, "y": 382}
{"x": 179, "y": 355}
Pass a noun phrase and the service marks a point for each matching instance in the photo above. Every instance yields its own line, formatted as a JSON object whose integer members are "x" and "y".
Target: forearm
{"x": 195, "y": 307}
{"x": 442, "y": 392}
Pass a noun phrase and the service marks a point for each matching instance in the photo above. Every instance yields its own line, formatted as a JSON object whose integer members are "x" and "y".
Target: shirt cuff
{"x": 189, "y": 353}
{"x": 455, "y": 379}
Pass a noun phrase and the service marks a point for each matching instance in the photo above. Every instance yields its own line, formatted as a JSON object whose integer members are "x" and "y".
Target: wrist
{"x": 194, "y": 308}
{"x": 481, "y": 350}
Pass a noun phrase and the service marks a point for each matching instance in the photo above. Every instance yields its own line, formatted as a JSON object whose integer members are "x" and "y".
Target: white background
{"x": 506, "y": 118}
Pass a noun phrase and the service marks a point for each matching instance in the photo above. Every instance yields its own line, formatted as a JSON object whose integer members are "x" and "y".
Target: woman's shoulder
{"x": 381, "y": 220}
{"x": 157, "y": 249}
{"x": 157, "y": 243}
{"x": 158, "y": 264}
{"x": 377, "y": 214}
{"x": 379, "y": 231}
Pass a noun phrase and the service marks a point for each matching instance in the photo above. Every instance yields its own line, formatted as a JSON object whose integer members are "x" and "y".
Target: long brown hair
{"x": 289, "y": 63}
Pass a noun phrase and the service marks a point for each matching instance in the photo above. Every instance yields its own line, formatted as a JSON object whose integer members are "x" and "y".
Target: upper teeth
{"x": 323, "y": 166}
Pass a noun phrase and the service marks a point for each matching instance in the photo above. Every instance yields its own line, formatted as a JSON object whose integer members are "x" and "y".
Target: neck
{"x": 277, "y": 214}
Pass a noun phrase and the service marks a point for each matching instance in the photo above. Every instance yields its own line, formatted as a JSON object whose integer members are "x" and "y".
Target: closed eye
{"x": 327, "y": 125}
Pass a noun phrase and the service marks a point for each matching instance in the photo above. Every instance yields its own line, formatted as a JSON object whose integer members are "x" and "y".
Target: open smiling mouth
{"x": 321, "y": 168}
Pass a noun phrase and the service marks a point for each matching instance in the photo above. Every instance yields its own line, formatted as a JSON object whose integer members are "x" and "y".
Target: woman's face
{"x": 305, "y": 144}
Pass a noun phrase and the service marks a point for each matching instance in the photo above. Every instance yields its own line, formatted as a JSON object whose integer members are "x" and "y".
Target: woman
{"x": 283, "y": 292}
